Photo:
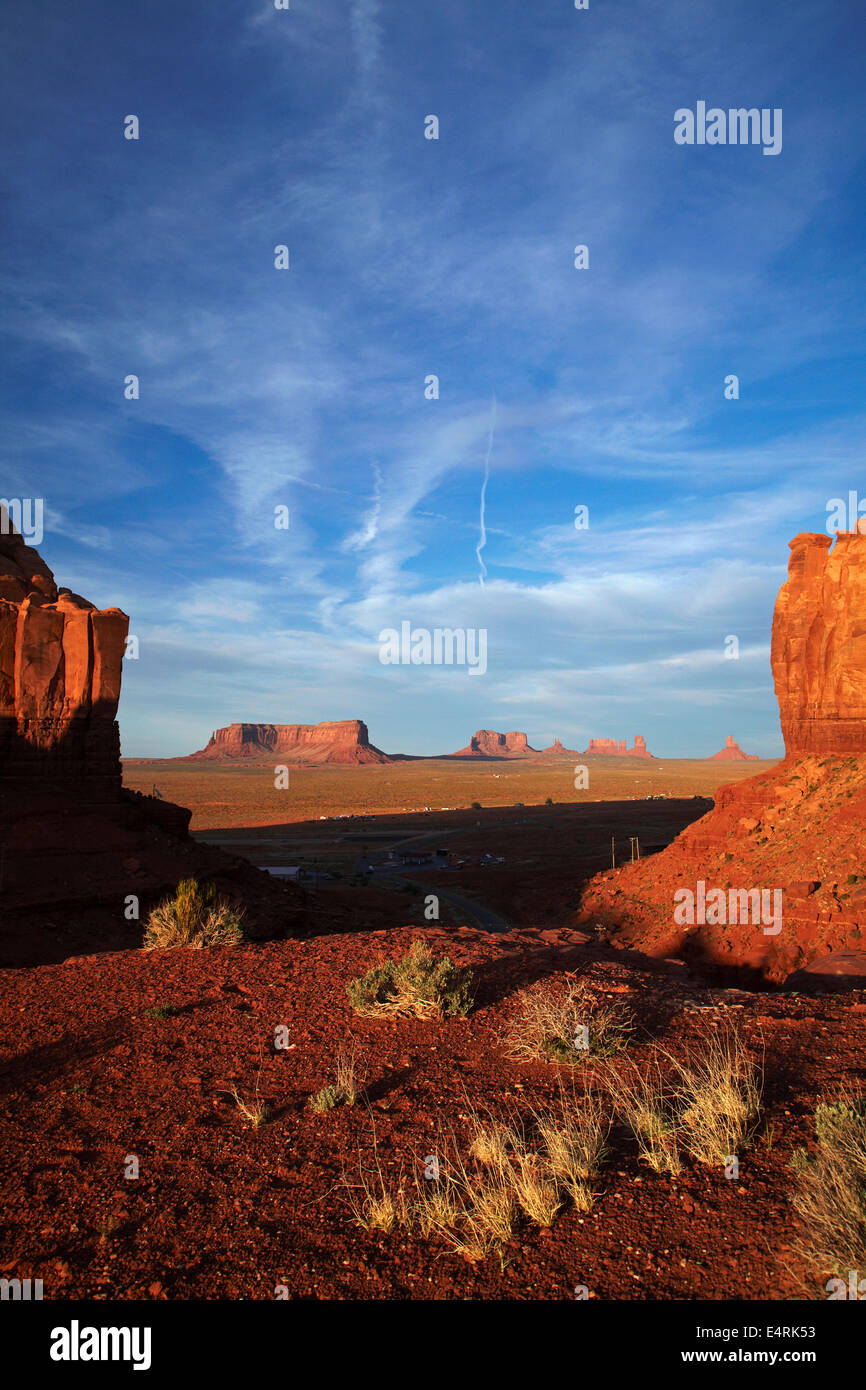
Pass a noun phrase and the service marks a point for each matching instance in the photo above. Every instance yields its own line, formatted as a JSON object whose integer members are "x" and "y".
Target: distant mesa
{"x": 556, "y": 750}
{"x": 487, "y": 743}
{"x": 732, "y": 753}
{"x": 617, "y": 748}
{"x": 344, "y": 741}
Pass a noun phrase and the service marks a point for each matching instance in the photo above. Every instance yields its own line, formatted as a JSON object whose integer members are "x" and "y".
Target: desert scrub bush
{"x": 565, "y": 1026}
{"x": 416, "y": 986}
{"x": 196, "y": 916}
{"x": 162, "y": 1011}
{"x": 830, "y": 1194}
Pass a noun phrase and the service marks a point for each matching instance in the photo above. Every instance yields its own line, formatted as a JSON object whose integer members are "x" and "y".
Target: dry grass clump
{"x": 374, "y": 1206}
{"x": 575, "y": 1145}
{"x": 644, "y": 1104}
{"x": 718, "y": 1098}
{"x": 708, "y": 1109}
{"x": 483, "y": 1210}
{"x": 510, "y": 1178}
{"x": 552, "y": 1024}
{"x": 830, "y": 1197}
{"x": 254, "y": 1111}
{"x": 195, "y": 917}
{"x": 416, "y": 986}
{"x": 346, "y": 1087}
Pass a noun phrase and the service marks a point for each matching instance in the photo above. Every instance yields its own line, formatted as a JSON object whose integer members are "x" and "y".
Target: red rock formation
{"x": 798, "y": 827}
{"x": 556, "y": 750}
{"x": 70, "y": 835}
{"x": 732, "y": 753}
{"x": 819, "y": 645}
{"x": 341, "y": 741}
{"x": 60, "y": 660}
{"x": 611, "y": 748}
{"x": 487, "y": 743}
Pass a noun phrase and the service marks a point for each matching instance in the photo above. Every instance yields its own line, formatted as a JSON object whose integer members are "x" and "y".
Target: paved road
{"x": 485, "y": 917}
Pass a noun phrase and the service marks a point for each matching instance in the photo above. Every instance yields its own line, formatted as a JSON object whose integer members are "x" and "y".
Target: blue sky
{"x": 408, "y": 257}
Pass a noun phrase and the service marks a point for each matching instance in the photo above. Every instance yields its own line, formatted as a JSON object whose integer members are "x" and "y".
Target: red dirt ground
{"x": 221, "y": 1210}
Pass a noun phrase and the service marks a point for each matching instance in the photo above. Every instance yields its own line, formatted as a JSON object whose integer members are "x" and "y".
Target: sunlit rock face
{"x": 819, "y": 645}
{"x": 60, "y": 671}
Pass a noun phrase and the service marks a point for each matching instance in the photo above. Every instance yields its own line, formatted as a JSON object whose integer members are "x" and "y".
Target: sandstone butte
{"x": 556, "y": 750}
{"x": 732, "y": 753}
{"x": 487, "y": 743}
{"x": 69, "y": 831}
{"x": 613, "y": 748}
{"x": 344, "y": 741}
{"x": 798, "y": 826}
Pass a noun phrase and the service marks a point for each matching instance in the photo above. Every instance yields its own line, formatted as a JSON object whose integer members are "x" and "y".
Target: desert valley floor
{"x": 246, "y": 1191}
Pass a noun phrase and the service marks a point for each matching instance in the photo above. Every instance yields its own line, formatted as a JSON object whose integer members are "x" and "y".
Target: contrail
{"x": 482, "y": 568}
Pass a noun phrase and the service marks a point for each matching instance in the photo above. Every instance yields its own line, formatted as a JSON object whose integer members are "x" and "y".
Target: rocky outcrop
{"x": 60, "y": 661}
{"x": 795, "y": 829}
{"x": 556, "y": 750}
{"x": 81, "y": 858}
{"x": 617, "y": 748}
{"x": 819, "y": 645}
{"x": 487, "y": 743}
{"x": 345, "y": 741}
{"x": 732, "y": 753}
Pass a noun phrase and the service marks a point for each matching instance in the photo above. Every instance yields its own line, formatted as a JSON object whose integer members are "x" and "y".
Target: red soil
{"x": 224, "y": 1211}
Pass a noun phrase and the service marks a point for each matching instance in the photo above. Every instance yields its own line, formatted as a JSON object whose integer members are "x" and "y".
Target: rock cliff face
{"x": 60, "y": 662}
{"x": 618, "y": 748}
{"x": 76, "y": 848}
{"x": 487, "y": 743}
{"x": 344, "y": 741}
{"x": 796, "y": 828}
{"x": 819, "y": 645}
{"x": 556, "y": 750}
{"x": 732, "y": 753}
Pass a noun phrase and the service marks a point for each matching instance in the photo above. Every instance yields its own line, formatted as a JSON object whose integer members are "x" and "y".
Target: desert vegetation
{"x": 346, "y": 1086}
{"x": 706, "y": 1105}
{"x": 195, "y": 916}
{"x": 830, "y": 1193}
{"x": 508, "y": 1173}
{"x": 559, "y": 1024}
{"x": 417, "y": 985}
